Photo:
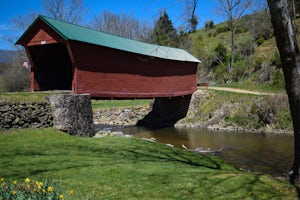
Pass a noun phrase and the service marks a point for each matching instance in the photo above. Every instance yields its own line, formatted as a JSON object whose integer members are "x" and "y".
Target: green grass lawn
{"x": 26, "y": 97}
{"x": 128, "y": 168}
{"x": 100, "y": 104}
{"x": 29, "y": 97}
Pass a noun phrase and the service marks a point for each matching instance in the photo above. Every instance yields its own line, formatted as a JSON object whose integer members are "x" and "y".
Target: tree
{"x": 122, "y": 25}
{"x": 189, "y": 15}
{"x": 285, "y": 35}
{"x": 233, "y": 10}
{"x": 66, "y": 10}
{"x": 164, "y": 32}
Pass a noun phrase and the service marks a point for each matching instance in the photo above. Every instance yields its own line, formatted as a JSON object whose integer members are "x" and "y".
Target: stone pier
{"x": 72, "y": 113}
{"x": 166, "y": 112}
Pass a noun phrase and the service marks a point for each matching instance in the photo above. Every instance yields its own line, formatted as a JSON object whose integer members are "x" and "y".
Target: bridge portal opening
{"x": 52, "y": 67}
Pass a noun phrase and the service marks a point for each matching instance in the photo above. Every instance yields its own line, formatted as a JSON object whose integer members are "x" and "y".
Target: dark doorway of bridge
{"x": 52, "y": 67}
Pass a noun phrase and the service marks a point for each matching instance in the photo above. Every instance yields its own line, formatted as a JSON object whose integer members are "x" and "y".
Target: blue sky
{"x": 146, "y": 10}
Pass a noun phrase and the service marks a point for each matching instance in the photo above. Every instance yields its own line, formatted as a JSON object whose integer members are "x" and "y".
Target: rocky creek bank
{"x": 211, "y": 110}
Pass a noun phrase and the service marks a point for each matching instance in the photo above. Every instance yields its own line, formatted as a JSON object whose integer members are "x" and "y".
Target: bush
{"x": 276, "y": 59}
{"x": 260, "y": 41}
{"x": 221, "y": 29}
{"x": 239, "y": 71}
{"x": 246, "y": 47}
{"x": 278, "y": 79}
{"x": 221, "y": 74}
{"x": 209, "y": 25}
{"x": 221, "y": 51}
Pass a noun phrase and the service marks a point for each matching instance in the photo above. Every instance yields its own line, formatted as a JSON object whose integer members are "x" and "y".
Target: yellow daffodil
{"x": 27, "y": 180}
{"x": 50, "y": 189}
{"x": 61, "y": 196}
{"x": 15, "y": 182}
{"x": 1, "y": 179}
{"x": 39, "y": 184}
{"x": 13, "y": 192}
{"x": 71, "y": 192}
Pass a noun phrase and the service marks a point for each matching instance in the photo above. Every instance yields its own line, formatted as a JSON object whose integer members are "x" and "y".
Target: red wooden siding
{"x": 39, "y": 34}
{"x": 64, "y": 64}
{"x": 105, "y": 72}
{"x": 42, "y": 38}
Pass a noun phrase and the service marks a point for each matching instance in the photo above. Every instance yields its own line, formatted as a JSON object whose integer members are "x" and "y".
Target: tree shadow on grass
{"x": 213, "y": 172}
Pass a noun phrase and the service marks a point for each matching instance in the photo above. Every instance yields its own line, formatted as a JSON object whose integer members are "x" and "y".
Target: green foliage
{"x": 209, "y": 25}
{"x": 128, "y": 168}
{"x": 272, "y": 110}
{"x": 246, "y": 47}
{"x": 260, "y": 41}
{"x": 276, "y": 59}
{"x": 193, "y": 23}
{"x": 14, "y": 77}
{"x": 221, "y": 51}
{"x": 221, "y": 73}
{"x": 164, "y": 32}
{"x": 277, "y": 81}
{"x": 221, "y": 29}
{"x": 239, "y": 71}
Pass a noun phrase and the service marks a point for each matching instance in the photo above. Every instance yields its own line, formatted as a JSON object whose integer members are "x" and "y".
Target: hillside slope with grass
{"x": 127, "y": 168}
{"x": 222, "y": 109}
{"x": 257, "y": 60}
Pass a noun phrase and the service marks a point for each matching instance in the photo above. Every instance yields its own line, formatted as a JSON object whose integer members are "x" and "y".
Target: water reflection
{"x": 270, "y": 154}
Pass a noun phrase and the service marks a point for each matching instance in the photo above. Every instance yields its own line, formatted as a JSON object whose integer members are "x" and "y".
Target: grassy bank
{"x": 262, "y": 113}
{"x": 29, "y": 97}
{"x": 122, "y": 168}
{"x": 100, "y": 104}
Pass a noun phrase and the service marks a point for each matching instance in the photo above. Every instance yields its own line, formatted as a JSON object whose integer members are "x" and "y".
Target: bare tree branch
{"x": 233, "y": 10}
{"x": 122, "y": 25}
{"x": 66, "y": 10}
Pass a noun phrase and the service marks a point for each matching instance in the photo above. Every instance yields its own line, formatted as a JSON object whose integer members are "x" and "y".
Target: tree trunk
{"x": 290, "y": 58}
{"x": 232, "y": 50}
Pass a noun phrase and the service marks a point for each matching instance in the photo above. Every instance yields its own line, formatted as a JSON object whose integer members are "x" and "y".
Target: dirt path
{"x": 241, "y": 91}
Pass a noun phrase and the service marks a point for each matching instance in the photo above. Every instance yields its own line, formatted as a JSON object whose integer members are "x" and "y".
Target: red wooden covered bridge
{"x": 65, "y": 56}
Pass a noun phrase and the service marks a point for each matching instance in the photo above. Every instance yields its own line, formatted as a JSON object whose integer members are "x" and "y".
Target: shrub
{"x": 29, "y": 189}
{"x": 239, "y": 71}
{"x": 246, "y": 47}
{"x": 260, "y": 41}
{"x": 221, "y": 74}
{"x": 221, "y": 51}
{"x": 209, "y": 25}
{"x": 278, "y": 79}
{"x": 221, "y": 29}
{"x": 276, "y": 59}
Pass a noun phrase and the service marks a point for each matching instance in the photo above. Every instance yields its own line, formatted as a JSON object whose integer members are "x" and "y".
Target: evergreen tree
{"x": 164, "y": 32}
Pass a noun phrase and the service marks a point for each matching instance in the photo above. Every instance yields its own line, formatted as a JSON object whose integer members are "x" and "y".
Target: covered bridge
{"x": 65, "y": 56}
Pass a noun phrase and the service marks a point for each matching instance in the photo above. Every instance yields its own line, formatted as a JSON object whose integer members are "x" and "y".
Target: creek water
{"x": 268, "y": 153}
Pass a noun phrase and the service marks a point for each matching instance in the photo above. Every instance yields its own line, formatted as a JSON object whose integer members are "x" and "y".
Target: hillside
{"x": 257, "y": 59}
{"x": 6, "y": 56}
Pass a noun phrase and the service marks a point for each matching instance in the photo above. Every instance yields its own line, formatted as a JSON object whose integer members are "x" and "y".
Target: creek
{"x": 263, "y": 153}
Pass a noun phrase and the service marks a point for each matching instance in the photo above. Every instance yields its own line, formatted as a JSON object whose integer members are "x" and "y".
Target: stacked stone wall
{"x": 69, "y": 113}
{"x": 25, "y": 115}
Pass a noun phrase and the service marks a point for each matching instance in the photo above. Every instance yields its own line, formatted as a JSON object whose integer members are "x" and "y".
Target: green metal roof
{"x": 79, "y": 33}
